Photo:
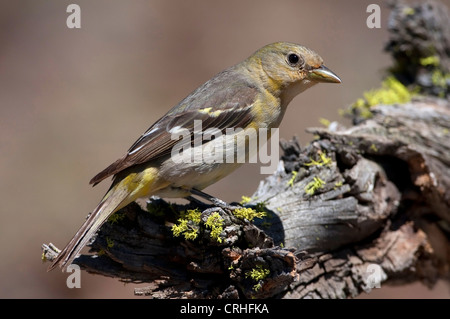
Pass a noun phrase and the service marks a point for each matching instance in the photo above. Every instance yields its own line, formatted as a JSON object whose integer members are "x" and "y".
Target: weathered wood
{"x": 380, "y": 190}
{"x": 347, "y": 272}
{"x": 350, "y": 206}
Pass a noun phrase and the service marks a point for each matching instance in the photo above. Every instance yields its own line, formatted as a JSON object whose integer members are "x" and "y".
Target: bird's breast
{"x": 267, "y": 111}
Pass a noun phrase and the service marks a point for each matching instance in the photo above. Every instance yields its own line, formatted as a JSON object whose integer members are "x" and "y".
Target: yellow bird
{"x": 253, "y": 94}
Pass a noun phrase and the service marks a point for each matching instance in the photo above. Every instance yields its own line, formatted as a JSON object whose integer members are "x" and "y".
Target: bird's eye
{"x": 293, "y": 58}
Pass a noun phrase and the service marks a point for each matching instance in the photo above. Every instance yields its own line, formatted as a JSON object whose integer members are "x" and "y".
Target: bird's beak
{"x": 323, "y": 74}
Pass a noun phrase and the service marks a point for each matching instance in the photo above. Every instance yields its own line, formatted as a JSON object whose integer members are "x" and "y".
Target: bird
{"x": 252, "y": 94}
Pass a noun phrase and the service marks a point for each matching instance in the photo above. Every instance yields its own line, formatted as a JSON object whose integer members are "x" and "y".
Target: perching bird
{"x": 253, "y": 94}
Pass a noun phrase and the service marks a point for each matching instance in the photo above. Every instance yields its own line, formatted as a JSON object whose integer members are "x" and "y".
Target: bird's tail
{"x": 116, "y": 198}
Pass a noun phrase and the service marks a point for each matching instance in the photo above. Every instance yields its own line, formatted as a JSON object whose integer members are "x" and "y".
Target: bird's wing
{"x": 228, "y": 107}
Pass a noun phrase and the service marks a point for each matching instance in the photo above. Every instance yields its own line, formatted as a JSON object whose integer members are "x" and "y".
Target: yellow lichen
{"x": 215, "y": 223}
{"x": 325, "y": 122}
{"x": 324, "y": 160}
{"x": 432, "y": 60}
{"x": 257, "y": 274}
{"x": 314, "y": 185}
{"x": 116, "y": 217}
{"x": 392, "y": 91}
{"x": 408, "y": 11}
{"x": 109, "y": 242}
{"x": 245, "y": 200}
{"x": 292, "y": 179}
{"x": 338, "y": 184}
{"x": 374, "y": 148}
{"x": 438, "y": 78}
{"x": 188, "y": 224}
{"x": 248, "y": 213}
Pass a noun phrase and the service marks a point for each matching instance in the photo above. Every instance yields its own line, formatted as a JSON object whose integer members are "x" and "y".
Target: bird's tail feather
{"x": 116, "y": 198}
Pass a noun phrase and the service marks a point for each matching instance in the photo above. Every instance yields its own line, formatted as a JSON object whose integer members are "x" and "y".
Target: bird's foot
{"x": 216, "y": 201}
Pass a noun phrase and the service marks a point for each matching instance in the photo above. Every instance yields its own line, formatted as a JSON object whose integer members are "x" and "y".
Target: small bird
{"x": 252, "y": 94}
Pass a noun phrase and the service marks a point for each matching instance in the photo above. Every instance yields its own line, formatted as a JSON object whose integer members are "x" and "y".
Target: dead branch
{"x": 356, "y": 207}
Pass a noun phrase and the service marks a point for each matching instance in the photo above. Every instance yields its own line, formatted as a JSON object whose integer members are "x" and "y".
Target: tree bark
{"x": 357, "y": 207}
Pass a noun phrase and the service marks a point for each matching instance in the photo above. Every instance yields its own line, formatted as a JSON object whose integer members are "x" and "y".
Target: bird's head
{"x": 288, "y": 69}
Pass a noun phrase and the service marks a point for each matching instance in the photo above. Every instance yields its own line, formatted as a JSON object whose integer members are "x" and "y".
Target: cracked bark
{"x": 379, "y": 211}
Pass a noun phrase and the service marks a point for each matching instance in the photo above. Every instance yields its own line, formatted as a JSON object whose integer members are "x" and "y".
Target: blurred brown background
{"x": 73, "y": 100}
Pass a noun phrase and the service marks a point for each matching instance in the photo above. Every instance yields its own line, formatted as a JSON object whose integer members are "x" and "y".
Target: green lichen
{"x": 408, "y": 11}
{"x": 338, "y": 184}
{"x": 194, "y": 215}
{"x": 191, "y": 234}
{"x": 101, "y": 252}
{"x": 323, "y": 161}
{"x": 361, "y": 108}
{"x": 440, "y": 79}
{"x": 188, "y": 224}
{"x": 432, "y": 60}
{"x": 109, "y": 242}
{"x": 245, "y": 200}
{"x": 292, "y": 179}
{"x": 116, "y": 217}
{"x": 265, "y": 224}
{"x": 248, "y": 213}
{"x": 257, "y": 274}
{"x": 260, "y": 207}
{"x": 313, "y": 186}
{"x": 180, "y": 228}
{"x": 215, "y": 223}
{"x": 257, "y": 287}
{"x": 392, "y": 91}
{"x": 325, "y": 122}
{"x": 374, "y": 148}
